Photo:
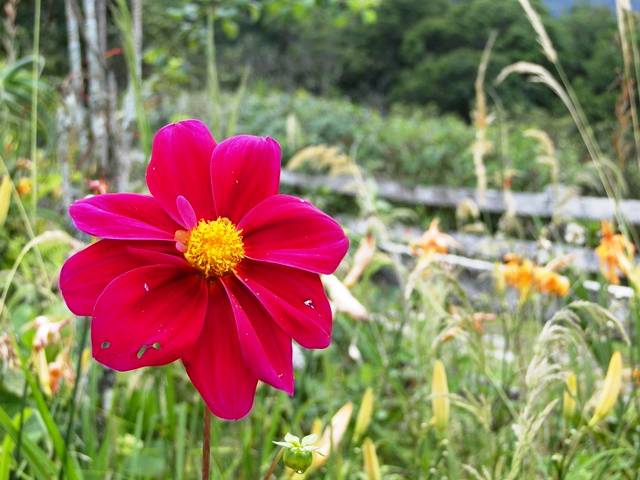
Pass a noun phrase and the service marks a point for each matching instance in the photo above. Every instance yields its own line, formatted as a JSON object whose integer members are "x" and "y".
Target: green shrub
{"x": 413, "y": 145}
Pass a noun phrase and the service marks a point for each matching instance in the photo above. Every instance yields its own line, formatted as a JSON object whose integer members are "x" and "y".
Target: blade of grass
{"x": 72, "y": 411}
{"x": 38, "y": 461}
{"x": 102, "y": 459}
{"x": 23, "y": 403}
{"x": 180, "y": 438}
{"x": 88, "y": 413}
{"x": 71, "y": 466}
{"x": 8, "y": 445}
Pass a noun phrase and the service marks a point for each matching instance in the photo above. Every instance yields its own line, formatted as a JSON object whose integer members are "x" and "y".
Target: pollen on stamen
{"x": 214, "y": 247}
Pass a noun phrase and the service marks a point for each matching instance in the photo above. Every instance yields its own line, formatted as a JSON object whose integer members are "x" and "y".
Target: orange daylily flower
{"x": 480, "y": 318}
{"x": 24, "y": 186}
{"x": 526, "y": 276}
{"x": 47, "y": 331}
{"x": 615, "y": 253}
{"x": 548, "y": 281}
{"x": 8, "y": 356}
{"x": 518, "y": 273}
{"x": 61, "y": 369}
{"x": 432, "y": 241}
{"x": 98, "y": 186}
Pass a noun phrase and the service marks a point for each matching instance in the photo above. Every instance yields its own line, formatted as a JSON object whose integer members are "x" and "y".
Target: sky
{"x": 558, "y": 6}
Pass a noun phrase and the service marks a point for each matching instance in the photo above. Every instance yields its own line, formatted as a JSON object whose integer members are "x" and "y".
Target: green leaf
{"x": 72, "y": 469}
{"x": 8, "y": 445}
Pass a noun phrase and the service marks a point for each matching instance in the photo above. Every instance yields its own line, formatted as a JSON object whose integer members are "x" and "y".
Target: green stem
{"x": 570, "y": 453}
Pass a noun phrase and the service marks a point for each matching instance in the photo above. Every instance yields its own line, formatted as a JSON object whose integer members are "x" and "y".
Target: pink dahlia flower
{"x": 215, "y": 268}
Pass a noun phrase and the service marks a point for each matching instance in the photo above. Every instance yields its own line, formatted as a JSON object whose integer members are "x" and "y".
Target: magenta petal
{"x": 291, "y": 231}
{"x": 180, "y": 165}
{"x": 122, "y": 216}
{"x": 295, "y": 299}
{"x": 186, "y": 212}
{"x": 156, "y": 256}
{"x": 86, "y": 274}
{"x": 244, "y": 171}
{"x": 215, "y": 363}
{"x": 148, "y": 316}
{"x": 265, "y": 347}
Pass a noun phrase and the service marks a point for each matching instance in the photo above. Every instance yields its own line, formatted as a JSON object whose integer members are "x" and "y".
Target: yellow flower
{"x": 570, "y": 396}
{"x": 432, "y": 241}
{"x": 610, "y": 389}
{"x": 5, "y": 198}
{"x": 615, "y": 253}
{"x": 364, "y": 414}
{"x": 440, "y": 402}
{"x": 371, "y": 463}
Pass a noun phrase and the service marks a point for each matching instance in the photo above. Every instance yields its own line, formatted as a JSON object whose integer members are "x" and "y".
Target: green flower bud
{"x": 298, "y": 459}
{"x": 298, "y": 454}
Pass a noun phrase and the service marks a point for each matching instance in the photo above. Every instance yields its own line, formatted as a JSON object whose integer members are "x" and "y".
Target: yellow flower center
{"x": 214, "y": 247}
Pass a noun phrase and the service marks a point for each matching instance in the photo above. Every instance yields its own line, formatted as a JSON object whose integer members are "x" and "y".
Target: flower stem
{"x": 206, "y": 444}
{"x": 274, "y": 464}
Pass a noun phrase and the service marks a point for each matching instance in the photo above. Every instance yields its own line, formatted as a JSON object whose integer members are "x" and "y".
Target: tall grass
{"x": 35, "y": 78}
{"x": 481, "y": 121}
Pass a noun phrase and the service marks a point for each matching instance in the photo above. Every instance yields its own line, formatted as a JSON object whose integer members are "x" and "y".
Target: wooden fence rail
{"x": 491, "y": 248}
{"x": 555, "y": 201}
{"x": 480, "y": 253}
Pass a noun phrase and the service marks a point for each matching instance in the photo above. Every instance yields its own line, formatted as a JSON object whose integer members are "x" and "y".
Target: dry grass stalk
{"x": 549, "y": 155}
{"x": 541, "y": 32}
{"x": 10, "y": 29}
{"x": 481, "y": 120}
{"x": 626, "y": 26}
{"x": 626, "y": 31}
{"x": 613, "y": 185}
